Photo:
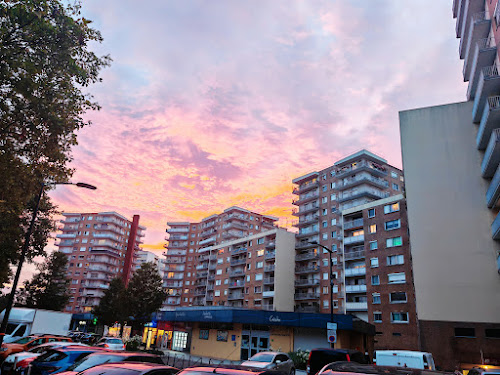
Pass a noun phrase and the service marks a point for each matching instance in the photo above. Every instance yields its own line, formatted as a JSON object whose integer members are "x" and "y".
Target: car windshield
{"x": 51, "y": 356}
{"x": 94, "y": 360}
{"x": 262, "y": 357}
{"x": 10, "y": 328}
{"x": 41, "y": 348}
{"x": 114, "y": 341}
{"x": 24, "y": 340}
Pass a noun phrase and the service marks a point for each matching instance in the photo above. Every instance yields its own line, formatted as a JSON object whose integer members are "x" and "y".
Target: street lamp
{"x": 330, "y": 252}
{"x": 24, "y": 250}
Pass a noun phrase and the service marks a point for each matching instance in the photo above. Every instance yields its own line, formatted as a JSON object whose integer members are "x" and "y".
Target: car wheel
{"x": 292, "y": 371}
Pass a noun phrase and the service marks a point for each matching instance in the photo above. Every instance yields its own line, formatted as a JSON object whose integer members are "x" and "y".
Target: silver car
{"x": 271, "y": 360}
{"x": 113, "y": 343}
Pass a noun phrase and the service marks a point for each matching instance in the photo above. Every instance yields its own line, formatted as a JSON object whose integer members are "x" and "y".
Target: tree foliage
{"x": 48, "y": 289}
{"x": 145, "y": 292}
{"x": 45, "y": 64}
{"x": 113, "y": 306}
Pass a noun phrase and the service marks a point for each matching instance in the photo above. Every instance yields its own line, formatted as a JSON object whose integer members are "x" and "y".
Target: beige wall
{"x": 230, "y": 350}
{"x": 281, "y": 338}
{"x": 453, "y": 253}
{"x": 284, "y": 273}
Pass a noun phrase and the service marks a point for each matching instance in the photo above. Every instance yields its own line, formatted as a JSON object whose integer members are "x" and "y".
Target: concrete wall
{"x": 453, "y": 253}
{"x": 284, "y": 287}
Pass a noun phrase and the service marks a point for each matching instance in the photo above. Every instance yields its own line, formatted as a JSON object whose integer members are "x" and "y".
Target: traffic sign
{"x": 331, "y": 326}
{"x": 331, "y": 332}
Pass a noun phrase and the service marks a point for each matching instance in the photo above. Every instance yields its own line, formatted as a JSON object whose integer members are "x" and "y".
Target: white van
{"x": 404, "y": 358}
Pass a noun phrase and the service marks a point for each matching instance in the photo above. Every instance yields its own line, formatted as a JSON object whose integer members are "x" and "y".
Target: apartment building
{"x": 100, "y": 246}
{"x": 378, "y": 277}
{"x": 451, "y": 157}
{"x": 219, "y": 249}
{"x": 355, "y": 180}
{"x": 143, "y": 256}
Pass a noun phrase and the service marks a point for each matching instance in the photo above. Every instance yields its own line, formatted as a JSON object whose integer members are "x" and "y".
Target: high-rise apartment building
{"x": 358, "y": 179}
{"x": 451, "y": 158}
{"x": 229, "y": 259}
{"x": 143, "y": 256}
{"x": 100, "y": 247}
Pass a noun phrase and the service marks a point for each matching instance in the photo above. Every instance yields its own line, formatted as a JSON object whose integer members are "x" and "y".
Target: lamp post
{"x": 330, "y": 252}
{"x": 24, "y": 250}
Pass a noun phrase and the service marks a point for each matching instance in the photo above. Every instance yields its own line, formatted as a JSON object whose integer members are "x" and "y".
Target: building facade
{"x": 218, "y": 260}
{"x": 100, "y": 247}
{"x": 322, "y": 196}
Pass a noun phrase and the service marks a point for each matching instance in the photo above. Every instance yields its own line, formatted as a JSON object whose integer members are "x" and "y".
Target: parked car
{"x": 28, "y": 342}
{"x": 224, "y": 370}
{"x": 271, "y": 360}
{"x": 487, "y": 370}
{"x": 100, "y": 358}
{"x": 321, "y": 357}
{"x": 113, "y": 343}
{"x": 405, "y": 358}
{"x": 59, "y": 359}
{"x": 341, "y": 368}
{"x": 18, "y": 362}
{"x": 130, "y": 368}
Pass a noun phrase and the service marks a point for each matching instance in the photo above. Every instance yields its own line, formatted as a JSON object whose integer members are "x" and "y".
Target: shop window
{"x": 465, "y": 332}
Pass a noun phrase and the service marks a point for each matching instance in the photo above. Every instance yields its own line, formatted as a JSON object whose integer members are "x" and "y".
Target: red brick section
{"x": 390, "y": 335}
{"x": 129, "y": 256}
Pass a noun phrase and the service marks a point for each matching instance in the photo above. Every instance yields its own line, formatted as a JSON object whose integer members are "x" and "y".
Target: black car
{"x": 59, "y": 359}
{"x": 130, "y": 368}
{"x": 321, "y": 357}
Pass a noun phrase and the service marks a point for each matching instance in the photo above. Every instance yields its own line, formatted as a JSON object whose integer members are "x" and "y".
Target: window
{"x": 396, "y": 278}
{"x": 248, "y": 278}
{"x": 376, "y": 298}
{"x": 219, "y": 272}
{"x": 397, "y": 297}
{"x": 334, "y": 248}
{"x": 326, "y": 290}
{"x": 374, "y": 262}
{"x": 377, "y": 317}
{"x": 260, "y": 252}
{"x": 334, "y": 234}
{"x": 257, "y": 289}
{"x": 465, "y": 332}
{"x": 333, "y": 197}
{"x": 371, "y": 213}
{"x": 373, "y": 245}
{"x": 334, "y": 222}
{"x": 217, "y": 293}
{"x": 82, "y": 249}
{"x": 334, "y": 209}
{"x": 394, "y": 175}
{"x": 217, "y": 282}
{"x": 226, "y": 281}
{"x": 325, "y": 276}
{"x": 391, "y": 208}
{"x": 373, "y": 228}
{"x": 324, "y": 212}
{"x": 332, "y": 185}
{"x": 399, "y": 317}
{"x": 492, "y": 333}
{"x": 259, "y": 265}
{"x": 324, "y": 236}
{"x": 375, "y": 280}
{"x": 393, "y": 260}
{"x": 260, "y": 241}
{"x": 325, "y": 262}
{"x": 325, "y": 303}
{"x": 324, "y": 200}
{"x": 324, "y": 224}
{"x": 335, "y": 303}
{"x": 334, "y": 261}
{"x": 392, "y": 242}
{"x": 395, "y": 186}
{"x": 249, "y": 267}
{"x": 258, "y": 276}
{"x": 393, "y": 224}
{"x": 220, "y": 261}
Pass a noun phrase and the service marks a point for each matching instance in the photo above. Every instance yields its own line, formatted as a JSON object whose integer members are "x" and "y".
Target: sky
{"x": 209, "y": 104}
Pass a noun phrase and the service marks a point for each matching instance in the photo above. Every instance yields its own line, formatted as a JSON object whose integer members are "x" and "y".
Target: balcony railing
{"x": 268, "y": 294}
{"x": 362, "y": 179}
{"x": 355, "y": 288}
{"x": 237, "y": 262}
{"x": 269, "y": 280}
{"x": 353, "y": 223}
{"x": 306, "y": 187}
{"x": 306, "y": 296}
{"x": 270, "y": 255}
{"x": 307, "y": 269}
{"x": 236, "y": 284}
{"x": 305, "y": 199}
{"x": 356, "y": 254}
{"x": 491, "y": 157}
{"x": 307, "y": 256}
{"x": 489, "y": 121}
{"x": 267, "y": 306}
{"x": 269, "y": 268}
{"x": 208, "y": 240}
{"x": 355, "y": 271}
{"x": 356, "y": 306}
{"x": 236, "y": 273}
{"x": 239, "y": 250}
{"x": 235, "y": 296}
{"x": 307, "y": 309}
{"x": 354, "y": 239}
{"x": 304, "y": 221}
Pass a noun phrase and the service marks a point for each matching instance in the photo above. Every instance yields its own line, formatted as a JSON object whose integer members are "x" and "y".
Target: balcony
{"x": 495, "y": 228}
{"x": 356, "y": 306}
{"x": 304, "y": 199}
{"x": 201, "y": 275}
{"x": 460, "y": 8}
{"x": 306, "y": 282}
{"x": 354, "y": 239}
{"x": 200, "y": 283}
{"x": 236, "y": 284}
{"x": 269, "y": 281}
{"x": 270, "y": 245}
{"x": 493, "y": 192}
{"x": 203, "y": 266}
{"x": 307, "y": 256}
{"x": 304, "y": 270}
{"x": 172, "y": 284}
{"x": 489, "y": 121}
{"x": 354, "y": 254}
{"x": 238, "y": 262}
{"x": 178, "y": 229}
{"x": 239, "y": 250}
{"x": 234, "y": 296}
{"x": 306, "y": 296}
{"x": 269, "y": 268}
{"x": 199, "y": 293}
{"x": 356, "y": 223}
{"x": 363, "y": 192}
{"x": 270, "y": 255}
{"x": 66, "y": 235}
{"x": 483, "y": 55}
{"x": 304, "y": 210}
{"x": 305, "y": 245}
{"x": 237, "y": 225}
{"x": 231, "y": 234}
{"x": 309, "y": 233}
{"x": 363, "y": 165}
{"x": 306, "y": 187}
{"x": 177, "y": 245}
{"x": 358, "y": 180}
{"x": 307, "y": 309}
{"x": 355, "y": 288}
{"x": 479, "y": 28}
{"x": 208, "y": 241}
{"x": 306, "y": 221}
{"x": 268, "y": 306}
{"x": 236, "y": 273}
{"x": 268, "y": 294}
{"x": 488, "y": 85}
{"x": 355, "y": 271}
{"x": 491, "y": 155}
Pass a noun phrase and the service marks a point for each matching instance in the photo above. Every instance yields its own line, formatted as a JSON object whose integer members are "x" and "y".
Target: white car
{"x": 113, "y": 343}
{"x": 271, "y": 360}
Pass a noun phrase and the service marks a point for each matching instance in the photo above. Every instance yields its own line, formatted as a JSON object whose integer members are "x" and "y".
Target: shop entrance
{"x": 253, "y": 342}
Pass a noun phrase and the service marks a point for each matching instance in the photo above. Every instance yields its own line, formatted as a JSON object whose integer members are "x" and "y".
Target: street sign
{"x": 331, "y": 332}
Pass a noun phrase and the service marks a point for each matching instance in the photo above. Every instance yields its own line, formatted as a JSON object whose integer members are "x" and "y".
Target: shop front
{"x": 237, "y": 334}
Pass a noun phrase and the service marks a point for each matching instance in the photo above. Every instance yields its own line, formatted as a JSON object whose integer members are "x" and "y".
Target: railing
{"x": 202, "y": 266}
{"x": 171, "y": 284}
{"x": 268, "y": 307}
{"x": 269, "y": 280}
{"x": 270, "y": 245}
{"x": 208, "y": 240}
{"x": 269, "y": 268}
{"x": 353, "y": 223}
{"x": 305, "y": 198}
{"x": 353, "y": 239}
{"x": 302, "y": 282}
{"x": 306, "y": 186}
{"x": 178, "y": 237}
{"x": 307, "y": 269}
{"x": 309, "y": 220}
{"x": 268, "y": 294}
{"x": 237, "y": 262}
{"x": 349, "y": 255}
{"x": 270, "y": 255}
{"x": 356, "y": 306}
{"x": 355, "y": 271}
{"x": 494, "y": 102}
{"x": 235, "y": 296}
{"x": 307, "y": 256}
{"x": 177, "y": 230}
{"x": 239, "y": 250}
{"x": 302, "y": 296}
{"x": 355, "y": 288}
{"x": 237, "y": 284}
{"x": 490, "y": 71}
{"x": 236, "y": 272}
{"x": 202, "y": 274}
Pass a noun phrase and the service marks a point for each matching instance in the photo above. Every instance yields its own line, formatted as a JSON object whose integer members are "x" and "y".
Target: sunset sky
{"x": 210, "y": 104}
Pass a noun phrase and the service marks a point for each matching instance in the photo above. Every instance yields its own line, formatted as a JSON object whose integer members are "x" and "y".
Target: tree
{"x": 48, "y": 289}
{"x": 44, "y": 66}
{"x": 145, "y": 293}
{"x": 113, "y": 306}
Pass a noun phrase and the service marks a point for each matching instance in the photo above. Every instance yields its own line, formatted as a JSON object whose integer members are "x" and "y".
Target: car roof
{"x": 346, "y": 351}
{"x": 401, "y": 352}
{"x": 124, "y": 354}
{"x": 230, "y": 369}
{"x": 269, "y": 352}
{"x": 138, "y": 366}
{"x": 74, "y": 348}
{"x": 357, "y": 368}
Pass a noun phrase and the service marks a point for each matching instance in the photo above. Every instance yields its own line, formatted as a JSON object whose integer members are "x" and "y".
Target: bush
{"x": 133, "y": 343}
{"x": 299, "y": 358}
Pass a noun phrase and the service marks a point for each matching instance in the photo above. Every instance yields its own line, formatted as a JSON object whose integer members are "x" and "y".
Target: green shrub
{"x": 133, "y": 343}
{"x": 299, "y": 358}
